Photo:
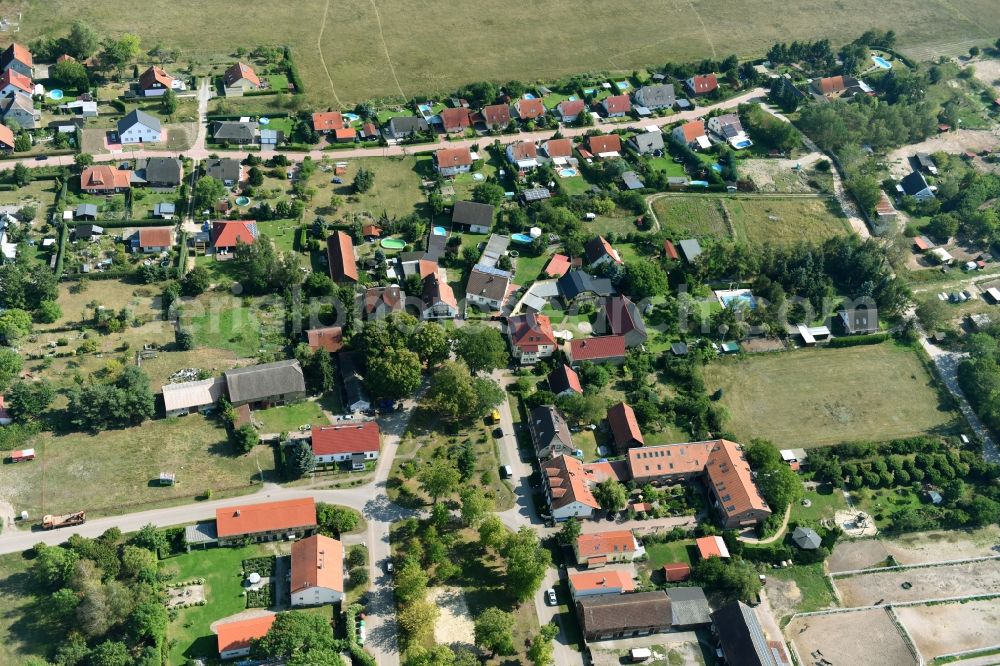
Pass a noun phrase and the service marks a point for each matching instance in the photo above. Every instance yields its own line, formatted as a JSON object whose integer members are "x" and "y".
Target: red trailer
{"x": 22, "y": 456}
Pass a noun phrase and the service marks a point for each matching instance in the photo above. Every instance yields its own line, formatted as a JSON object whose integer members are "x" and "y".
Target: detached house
{"x": 702, "y": 85}
{"x": 529, "y": 109}
{"x": 605, "y": 145}
{"x": 161, "y": 172}
{"x": 265, "y": 385}
{"x": 728, "y": 128}
{"x": 20, "y": 109}
{"x": 594, "y": 550}
{"x": 858, "y": 320}
{"x": 549, "y": 432}
{"x": 564, "y": 381}
{"x": 355, "y": 443}
{"x": 656, "y": 97}
{"x": 226, "y": 169}
{"x": 325, "y": 122}
{"x": 614, "y": 616}
{"x": 241, "y": 77}
{"x": 692, "y": 135}
{"x": 104, "y": 179}
{"x": 567, "y": 489}
{"x": 832, "y": 87}
{"x": 625, "y": 432}
{"x": 603, "y": 349}
{"x": 236, "y": 638}
{"x": 340, "y": 258}
{"x": 915, "y": 185}
{"x": 472, "y": 216}
{"x": 405, "y": 127}
{"x": 155, "y": 82}
{"x": 17, "y": 58}
{"x": 577, "y": 287}
{"x": 488, "y": 287}
{"x": 6, "y": 139}
{"x": 531, "y": 338}
{"x": 496, "y": 116}
{"x": 599, "y": 251}
{"x": 524, "y": 155}
{"x": 379, "y": 302}
{"x": 622, "y": 317}
{"x": 455, "y": 121}
{"x": 616, "y": 106}
{"x": 328, "y": 338}
{"x": 731, "y": 487}
{"x": 647, "y": 143}
{"x": 453, "y": 161}
{"x": 139, "y": 127}
{"x": 593, "y": 583}
{"x": 227, "y": 234}
{"x": 13, "y": 82}
{"x": 238, "y": 132}
{"x": 317, "y": 575}
{"x": 268, "y": 521}
{"x": 558, "y": 149}
{"x": 439, "y": 300}
{"x": 569, "y": 110}
{"x": 154, "y": 239}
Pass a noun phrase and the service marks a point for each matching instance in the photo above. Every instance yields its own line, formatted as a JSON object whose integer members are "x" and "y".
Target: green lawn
{"x": 574, "y": 186}
{"x": 190, "y": 635}
{"x": 530, "y": 268}
{"x": 695, "y": 215}
{"x": 19, "y": 639}
{"x": 823, "y": 504}
{"x": 812, "y": 583}
{"x": 289, "y": 417}
{"x": 667, "y": 164}
{"x": 396, "y": 191}
{"x": 244, "y": 326}
{"x": 818, "y": 397}
{"x": 117, "y": 471}
{"x": 785, "y": 221}
{"x": 882, "y": 503}
{"x": 674, "y": 551}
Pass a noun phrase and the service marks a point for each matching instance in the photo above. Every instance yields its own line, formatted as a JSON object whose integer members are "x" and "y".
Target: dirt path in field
{"x": 385, "y": 47}
{"x": 319, "y": 50}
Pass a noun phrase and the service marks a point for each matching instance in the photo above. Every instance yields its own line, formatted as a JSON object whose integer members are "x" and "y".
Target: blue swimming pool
{"x": 55, "y": 94}
{"x": 440, "y": 231}
{"x": 425, "y": 110}
{"x": 588, "y": 91}
{"x": 744, "y": 144}
{"x": 698, "y": 183}
{"x": 717, "y": 167}
{"x": 881, "y": 62}
{"x": 571, "y": 98}
{"x": 622, "y": 85}
{"x": 528, "y": 96}
{"x": 524, "y": 239}
{"x": 568, "y": 172}
{"x": 264, "y": 121}
{"x": 748, "y": 299}
{"x": 352, "y": 117}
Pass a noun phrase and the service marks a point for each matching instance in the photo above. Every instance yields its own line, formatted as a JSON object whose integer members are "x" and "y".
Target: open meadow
{"x": 387, "y": 48}
{"x": 117, "y": 471}
{"x": 819, "y": 397}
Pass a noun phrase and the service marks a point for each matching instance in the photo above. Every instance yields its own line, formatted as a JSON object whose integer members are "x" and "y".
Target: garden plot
{"x": 956, "y": 627}
{"x": 858, "y": 637}
{"x": 920, "y": 583}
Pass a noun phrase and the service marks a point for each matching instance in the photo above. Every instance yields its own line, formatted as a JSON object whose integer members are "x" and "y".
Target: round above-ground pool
{"x": 263, "y": 121}
{"x": 881, "y": 62}
{"x": 242, "y": 201}
{"x": 440, "y": 231}
{"x": 528, "y": 96}
{"x": 567, "y": 172}
{"x": 524, "y": 239}
{"x": 55, "y": 94}
{"x": 393, "y": 243}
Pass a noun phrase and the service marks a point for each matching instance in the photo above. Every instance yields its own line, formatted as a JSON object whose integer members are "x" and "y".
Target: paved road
{"x": 200, "y": 150}
{"x": 947, "y": 363}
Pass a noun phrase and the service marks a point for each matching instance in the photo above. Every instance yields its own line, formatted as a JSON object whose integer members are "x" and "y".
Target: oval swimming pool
{"x": 881, "y": 62}
{"x": 55, "y": 94}
{"x": 392, "y": 243}
{"x": 440, "y": 231}
{"x": 524, "y": 239}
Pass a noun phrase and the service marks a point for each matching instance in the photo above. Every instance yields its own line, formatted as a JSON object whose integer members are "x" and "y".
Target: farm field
{"x": 874, "y": 639}
{"x": 785, "y": 221}
{"x": 118, "y": 470}
{"x": 820, "y": 397}
{"x": 931, "y": 582}
{"x": 949, "y": 628}
{"x": 379, "y": 49}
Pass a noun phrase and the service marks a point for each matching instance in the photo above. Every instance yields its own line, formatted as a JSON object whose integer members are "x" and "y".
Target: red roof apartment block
{"x": 250, "y": 519}
{"x": 340, "y": 254}
{"x": 342, "y": 439}
{"x": 624, "y": 427}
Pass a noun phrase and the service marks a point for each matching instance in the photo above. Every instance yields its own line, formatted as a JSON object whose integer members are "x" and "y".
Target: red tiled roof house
{"x": 531, "y": 337}
{"x": 235, "y": 638}
{"x": 268, "y": 521}
{"x": 625, "y": 430}
{"x": 340, "y": 256}
{"x": 453, "y": 161}
{"x": 354, "y": 443}
{"x": 103, "y": 179}
{"x": 226, "y": 234}
{"x": 604, "y": 547}
{"x": 317, "y": 575}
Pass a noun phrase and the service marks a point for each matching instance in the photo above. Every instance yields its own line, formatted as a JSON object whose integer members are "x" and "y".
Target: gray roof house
{"x": 85, "y": 212}
{"x": 915, "y": 185}
{"x": 354, "y": 387}
{"x": 632, "y": 180}
{"x": 20, "y": 108}
{"x": 689, "y": 607}
{"x": 405, "y": 127}
{"x": 579, "y": 285}
{"x": 741, "y": 637}
{"x": 645, "y": 143}
{"x": 164, "y": 210}
{"x": 266, "y": 384}
{"x": 691, "y": 248}
{"x": 139, "y": 127}
{"x": 622, "y": 317}
{"x": 476, "y": 218}
{"x": 235, "y": 132}
{"x": 549, "y": 432}
{"x": 656, "y": 97}
{"x": 806, "y": 538}
{"x": 161, "y": 172}
{"x": 496, "y": 247}
{"x": 859, "y": 320}
{"x": 226, "y": 169}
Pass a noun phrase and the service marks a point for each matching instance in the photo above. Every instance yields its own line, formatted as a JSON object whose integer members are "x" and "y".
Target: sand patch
{"x": 455, "y": 626}
{"x": 949, "y": 628}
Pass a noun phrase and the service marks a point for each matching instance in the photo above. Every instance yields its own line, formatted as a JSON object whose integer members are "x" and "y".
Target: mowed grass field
{"x": 117, "y": 471}
{"x": 819, "y": 397}
{"x": 754, "y": 220}
{"x": 385, "y": 48}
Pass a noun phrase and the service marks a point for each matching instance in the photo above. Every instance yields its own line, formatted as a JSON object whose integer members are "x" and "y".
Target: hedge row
{"x": 182, "y": 256}
{"x": 859, "y": 340}
{"x": 63, "y": 237}
{"x": 99, "y": 275}
{"x": 293, "y": 72}
{"x": 120, "y": 224}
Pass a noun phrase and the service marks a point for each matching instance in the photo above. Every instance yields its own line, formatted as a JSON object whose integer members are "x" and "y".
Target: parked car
{"x": 550, "y": 597}
{"x": 506, "y": 472}
{"x": 388, "y": 567}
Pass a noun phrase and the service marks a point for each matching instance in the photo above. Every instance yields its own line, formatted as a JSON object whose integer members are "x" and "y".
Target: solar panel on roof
{"x": 490, "y": 270}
